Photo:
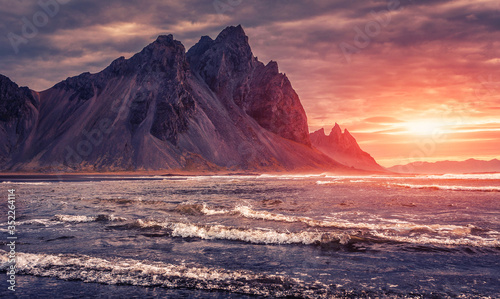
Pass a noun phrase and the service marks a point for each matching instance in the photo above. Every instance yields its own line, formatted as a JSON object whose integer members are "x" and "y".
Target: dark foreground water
{"x": 251, "y": 236}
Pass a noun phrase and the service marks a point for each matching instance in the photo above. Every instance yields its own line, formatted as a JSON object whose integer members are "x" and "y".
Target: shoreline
{"x": 174, "y": 173}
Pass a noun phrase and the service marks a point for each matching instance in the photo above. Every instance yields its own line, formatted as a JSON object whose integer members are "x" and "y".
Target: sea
{"x": 253, "y": 236}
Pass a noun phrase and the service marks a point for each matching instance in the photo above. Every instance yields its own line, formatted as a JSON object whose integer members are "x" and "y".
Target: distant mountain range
{"x": 443, "y": 167}
{"x": 343, "y": 148}
{"x": 213, "y": 108}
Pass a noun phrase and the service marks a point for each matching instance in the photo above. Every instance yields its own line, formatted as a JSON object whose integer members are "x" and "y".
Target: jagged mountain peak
{"x": 344, "y": 148}
{"x": 273, "y": 65}
{"x": 164, "y": 45}
{"x": 320, "y": 132}
{"x": 206, "y": 38}
{"x": 232, "y": 33}
{"x": 229, "y": 50}
{"x": 164, "y": 39}
{"x": 336, "y": 130}
{"x": 164, "y": 55}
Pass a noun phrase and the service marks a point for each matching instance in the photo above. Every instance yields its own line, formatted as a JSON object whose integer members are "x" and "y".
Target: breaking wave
{"x": 250, "y": 235}
{"x": 119, "y": 271}
{"x": 392, "y": 230}
{"x": 198, "y": 209}
{"x": 479, "y": 176}
{"x": 71, "y": 219}
{"x": 77, "y": 218}
{"x": 327, "y": 182}
{"x": 414, "y": 234}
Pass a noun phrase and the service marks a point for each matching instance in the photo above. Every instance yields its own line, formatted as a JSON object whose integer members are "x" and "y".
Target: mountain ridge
{"x": 214, "y": 107}
{"x": 447, "y": 166}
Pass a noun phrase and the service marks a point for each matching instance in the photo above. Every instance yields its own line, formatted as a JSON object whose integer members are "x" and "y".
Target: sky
{"x": 412, "y": 80}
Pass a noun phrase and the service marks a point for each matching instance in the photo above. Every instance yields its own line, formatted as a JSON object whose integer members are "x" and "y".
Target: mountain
{"x": 213, "y": 108}
{"x": 444, "y": 167}
{"x": 343, "y": 148}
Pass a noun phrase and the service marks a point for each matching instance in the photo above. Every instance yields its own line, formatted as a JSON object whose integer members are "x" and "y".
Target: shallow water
{"x": 312, "y": 236}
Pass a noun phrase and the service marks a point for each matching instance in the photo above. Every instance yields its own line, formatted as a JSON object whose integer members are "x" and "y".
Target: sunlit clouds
{"x": 420, "y": 80}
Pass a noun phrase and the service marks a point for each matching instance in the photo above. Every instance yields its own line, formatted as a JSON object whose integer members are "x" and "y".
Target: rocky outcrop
{"x": 343, "y": 148}
{"x": 215, "y": 107}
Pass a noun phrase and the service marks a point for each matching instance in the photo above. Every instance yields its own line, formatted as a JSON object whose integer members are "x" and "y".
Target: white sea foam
{"x": 290, "y": 176}
{"x": 195, "y": 208}
{"x": 58, "y": 219}
{"x": 73, "y": 218}
{"x": 424, "y": 239}
{"x": 207, "y": 211}
{"x": 38, "y": 222}
{"x": 224, "y": 177}
{"x": 27, "y": 183}
{"x": 449, "y": 187}
{"x": 248, "y": 212}
{"x": 478, "y": 176}
{"x": 340, "y": 181}
{"x": 145, "y": 273}
{"x": 82, "y": 218}
{"x": 327, "y": 182}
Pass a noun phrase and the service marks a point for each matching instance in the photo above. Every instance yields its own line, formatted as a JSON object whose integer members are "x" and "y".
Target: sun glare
{"x": 423, "y": 127}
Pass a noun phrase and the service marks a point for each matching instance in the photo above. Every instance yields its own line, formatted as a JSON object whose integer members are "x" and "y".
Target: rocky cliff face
{"x": 343, "y": 148}
{"x": 18, "y": 114}
{"x": 215, "y": 107}
{"x": 229, "y": 68}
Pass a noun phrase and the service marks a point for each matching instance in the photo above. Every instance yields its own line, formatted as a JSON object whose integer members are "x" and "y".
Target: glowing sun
{"x": 424, "y": 127}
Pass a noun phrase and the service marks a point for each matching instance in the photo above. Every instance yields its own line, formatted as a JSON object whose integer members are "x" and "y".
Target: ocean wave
{"x": 344, "y": 232}
{"x": 393, "y": 224}
{"x": 291, "y": 176}
{"x": 413, "y": 234}
{"x": 27, "y": 183}
{"x": 390, "y": 230}
{"x": 37, "y": 222}
{"x": 119, "y": 271}
{"x": 188, "y": 208}
{"x": 82, "y": 218}
{"x": 58, "y": 219}
{"x": 450, "y": 188}
{"x": 424, "y": 239}
{"x": 338, "y": 181}
{"x": 478, "y": 176}
{"x": 250, "y": 235}
{"x": 226, "y": 177}
{"x": 327, "y": 182}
